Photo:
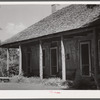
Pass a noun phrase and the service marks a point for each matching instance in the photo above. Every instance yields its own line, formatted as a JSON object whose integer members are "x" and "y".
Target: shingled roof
{"x": 68, "y": 18}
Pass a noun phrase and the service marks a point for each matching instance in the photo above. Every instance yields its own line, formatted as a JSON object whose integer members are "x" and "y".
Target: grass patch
{"x": 36, "y": 80}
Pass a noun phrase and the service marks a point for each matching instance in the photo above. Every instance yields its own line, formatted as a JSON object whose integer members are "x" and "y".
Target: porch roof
{"x": 68, "y": 18}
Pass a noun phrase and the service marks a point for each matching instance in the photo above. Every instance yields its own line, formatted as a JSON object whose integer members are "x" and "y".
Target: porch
{"x": 59, "y": 55}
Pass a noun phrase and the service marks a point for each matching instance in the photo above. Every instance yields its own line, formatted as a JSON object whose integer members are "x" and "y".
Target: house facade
{"x": 65, "y": 44}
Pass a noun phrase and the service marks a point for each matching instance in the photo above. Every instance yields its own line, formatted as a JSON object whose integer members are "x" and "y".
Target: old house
{"x": 64, "y": 44}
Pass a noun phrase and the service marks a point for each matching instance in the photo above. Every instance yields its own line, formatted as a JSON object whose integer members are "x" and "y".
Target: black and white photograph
{"x": 50, "y": 47}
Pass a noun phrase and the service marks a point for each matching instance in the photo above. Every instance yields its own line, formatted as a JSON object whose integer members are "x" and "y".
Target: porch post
{"x": 20, "y": 60}
{"x": 63, "y": 59}
{"x": 7, "y": 59}
{"x": 96, "y": 62}
{"x": 40, "y": 60}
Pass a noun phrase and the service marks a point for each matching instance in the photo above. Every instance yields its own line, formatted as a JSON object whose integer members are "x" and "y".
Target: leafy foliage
{"x": 13, "y": 70}
{"x": 13, "y": 62}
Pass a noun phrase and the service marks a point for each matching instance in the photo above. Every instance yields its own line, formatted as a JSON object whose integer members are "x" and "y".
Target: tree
{"x": 13, "y": 61}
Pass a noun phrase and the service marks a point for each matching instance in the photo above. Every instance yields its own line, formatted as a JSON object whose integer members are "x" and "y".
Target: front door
{"x": 54, "y": 62}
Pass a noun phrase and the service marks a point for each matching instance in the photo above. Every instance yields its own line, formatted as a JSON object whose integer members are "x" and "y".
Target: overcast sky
{"x": 15, "y": 18}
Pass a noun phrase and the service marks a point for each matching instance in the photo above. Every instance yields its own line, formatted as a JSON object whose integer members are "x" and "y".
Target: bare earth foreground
{"x": 26, "y": 86}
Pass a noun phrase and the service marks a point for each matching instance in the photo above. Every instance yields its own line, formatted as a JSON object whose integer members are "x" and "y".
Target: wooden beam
{"x": 63, "y": 59}
{"x": 7, "y": 59}
{"x": 40, "y": 60}
{"x": 20, "y": 60}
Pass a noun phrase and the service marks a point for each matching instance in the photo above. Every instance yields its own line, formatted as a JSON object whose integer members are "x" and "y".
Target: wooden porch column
{"x": 96, "y": 61}
{"x": 40, "y": 60}
{"x": 7, "y": 59}
{"x": 63, "y": 59}
{"x": 20, "y": 60}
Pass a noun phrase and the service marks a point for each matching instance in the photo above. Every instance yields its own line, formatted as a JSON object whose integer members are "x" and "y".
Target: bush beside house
{"x": 13, "y": 62}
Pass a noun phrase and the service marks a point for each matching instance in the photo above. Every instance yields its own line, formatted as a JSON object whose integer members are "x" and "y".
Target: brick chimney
{"x": 54, "y": 7}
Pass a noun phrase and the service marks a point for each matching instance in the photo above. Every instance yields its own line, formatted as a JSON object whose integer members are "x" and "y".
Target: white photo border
{"x": 36, "y": 94}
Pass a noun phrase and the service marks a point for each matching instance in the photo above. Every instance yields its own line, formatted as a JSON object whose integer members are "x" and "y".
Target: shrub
{"x": 36, "y": 80}
{"x": 67, "y": 83}
{"x": 13, "y": 69}
{"x": 53, "y": 81}
{"x": 3, "y": 68}
{"x": 13, "y": 60}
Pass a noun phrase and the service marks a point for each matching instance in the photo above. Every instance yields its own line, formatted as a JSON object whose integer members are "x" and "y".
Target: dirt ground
{"x": 27, "y": 86}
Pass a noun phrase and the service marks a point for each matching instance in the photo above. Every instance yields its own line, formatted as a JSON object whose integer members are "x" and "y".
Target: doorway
{"x": 53, "y": 61}
{"x": 85, "y": 59}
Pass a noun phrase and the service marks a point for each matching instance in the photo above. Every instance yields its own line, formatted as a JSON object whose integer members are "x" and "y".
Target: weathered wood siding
{"x": 72, "y": 54}
{"x": 99, "y": 54}
{"x": 47, "y": 69}
{"x": 71, "y": 57}
{"x": 98, "y": 32}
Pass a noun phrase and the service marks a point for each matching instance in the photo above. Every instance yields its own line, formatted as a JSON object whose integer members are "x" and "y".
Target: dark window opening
{"x": 85, "y": 64}
{"x": 54, "y": 61}
{"x": 53, "y": 57}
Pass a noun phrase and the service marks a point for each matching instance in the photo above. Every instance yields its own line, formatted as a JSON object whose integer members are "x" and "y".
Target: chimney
{"x": 54, "y": 7}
